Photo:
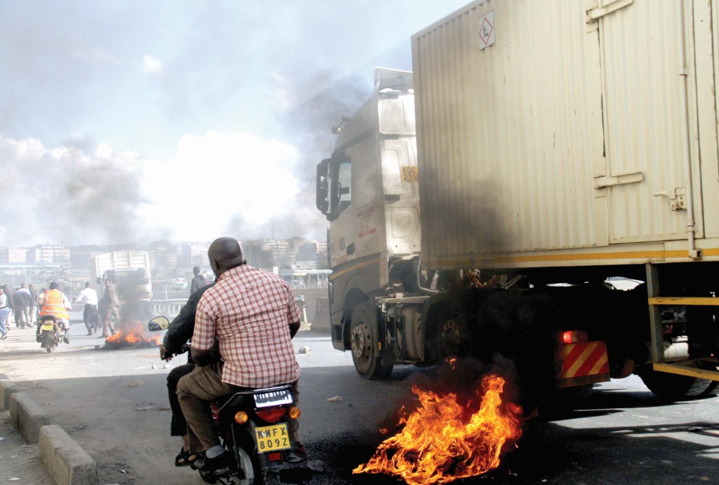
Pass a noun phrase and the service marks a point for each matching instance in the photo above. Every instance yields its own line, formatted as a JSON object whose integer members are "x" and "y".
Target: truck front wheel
{"x": 363, "y": 342}
{"x": 674, "y": 387}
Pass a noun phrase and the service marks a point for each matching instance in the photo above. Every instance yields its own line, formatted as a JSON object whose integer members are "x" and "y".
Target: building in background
{"x": 275, "y": 254}
{"x": 194, "y": 254}
{"x": 164, "y": 260}
{"x": 49, "y": 254}
{"x": 13, "y": 255}
{"x": 80, "y": 256}
{"x": 312, "y": 255}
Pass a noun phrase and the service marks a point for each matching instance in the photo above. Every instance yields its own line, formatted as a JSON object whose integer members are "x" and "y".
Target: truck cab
{"x": 368, "y": 192}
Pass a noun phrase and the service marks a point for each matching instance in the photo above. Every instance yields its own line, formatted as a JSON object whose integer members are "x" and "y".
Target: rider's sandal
{"x": 183, "y": 459}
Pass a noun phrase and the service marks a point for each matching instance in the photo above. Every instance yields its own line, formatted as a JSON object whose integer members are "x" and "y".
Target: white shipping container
{"x": 566, "y": 132}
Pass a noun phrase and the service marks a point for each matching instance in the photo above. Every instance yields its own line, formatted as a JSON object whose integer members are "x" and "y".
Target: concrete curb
{"x": 66, "y": 462}
{"x": 7, "y": 388}
{"x": 27, "y": 416}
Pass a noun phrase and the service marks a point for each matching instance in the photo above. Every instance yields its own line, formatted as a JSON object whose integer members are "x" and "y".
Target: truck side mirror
{"x": 323, "y": 202}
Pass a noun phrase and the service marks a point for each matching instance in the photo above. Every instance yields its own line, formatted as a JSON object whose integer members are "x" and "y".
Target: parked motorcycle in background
{"x": 253, "y": 428}
{"x": 51, "y": 333}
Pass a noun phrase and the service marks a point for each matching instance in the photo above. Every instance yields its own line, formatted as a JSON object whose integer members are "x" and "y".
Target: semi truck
{"x": 540, "y": 151}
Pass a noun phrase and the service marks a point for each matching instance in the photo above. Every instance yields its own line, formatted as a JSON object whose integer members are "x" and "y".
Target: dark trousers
{"x": 22, "y": 316}
{"x": 178, "y": 425}
{"x": 91, "y": 317}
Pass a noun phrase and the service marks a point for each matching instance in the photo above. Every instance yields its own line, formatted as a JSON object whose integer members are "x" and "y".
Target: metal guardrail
{"x": 171, "y": 308}
{"x": 168, "y": 308}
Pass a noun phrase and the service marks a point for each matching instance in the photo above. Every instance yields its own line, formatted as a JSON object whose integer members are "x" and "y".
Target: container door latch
{"x": 625, "y": 178}
{"x": 677, "y": 198}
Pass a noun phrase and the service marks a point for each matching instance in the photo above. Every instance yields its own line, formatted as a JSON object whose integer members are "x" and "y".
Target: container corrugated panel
{"x": 513, "y": 140}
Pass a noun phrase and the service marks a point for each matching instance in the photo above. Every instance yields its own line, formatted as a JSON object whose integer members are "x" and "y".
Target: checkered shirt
{"x": 249, "y": 311}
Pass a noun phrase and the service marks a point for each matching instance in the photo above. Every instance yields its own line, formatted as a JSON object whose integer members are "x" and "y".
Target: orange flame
{"x": 443, "y": 441}
{"x": 131, "y": 333}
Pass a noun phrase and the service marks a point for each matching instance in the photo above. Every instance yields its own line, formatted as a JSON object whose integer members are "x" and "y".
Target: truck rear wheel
{"x": 363, "y": 342}
{"x": 453, "y": 334}
{"x": 673, "y": 387}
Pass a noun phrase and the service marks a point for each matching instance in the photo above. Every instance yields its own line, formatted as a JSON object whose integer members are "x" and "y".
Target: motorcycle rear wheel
{"x": 49, "y": 350}
{"x": 208, "y": 477}
{"x": 254, "y": 467}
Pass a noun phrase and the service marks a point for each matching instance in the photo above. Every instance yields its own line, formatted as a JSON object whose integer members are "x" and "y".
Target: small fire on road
{"x": 443, "y": 440}
{"x": 130, "y": 335}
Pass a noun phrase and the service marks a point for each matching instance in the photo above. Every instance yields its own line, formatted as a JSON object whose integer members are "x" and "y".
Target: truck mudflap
{"x": 583, "y": 363}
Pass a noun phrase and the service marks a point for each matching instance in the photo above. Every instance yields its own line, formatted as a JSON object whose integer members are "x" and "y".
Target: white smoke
{"x": 234, "y": 183}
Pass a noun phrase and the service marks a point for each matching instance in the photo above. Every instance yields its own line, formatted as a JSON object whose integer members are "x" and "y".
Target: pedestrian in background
{"x": 90, "y": 316}
{"x": 33, "y": 304}
{"x": 110, "y": 305}
{"x": 9, "y": 296}
{"x": 23, "y": 303}
{"x": 4, "y": 312}
{"x": 17, "y": 308}
{"x": 198, "y": 281}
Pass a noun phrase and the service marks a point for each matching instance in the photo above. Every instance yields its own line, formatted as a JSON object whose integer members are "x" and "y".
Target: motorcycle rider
{"x": 254, "y": 316}
{"x": 178, "y": 333}
{"x": 54, "y": 302}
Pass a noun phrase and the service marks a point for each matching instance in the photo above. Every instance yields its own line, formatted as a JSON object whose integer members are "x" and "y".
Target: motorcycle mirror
{"x": 158, "y": 323}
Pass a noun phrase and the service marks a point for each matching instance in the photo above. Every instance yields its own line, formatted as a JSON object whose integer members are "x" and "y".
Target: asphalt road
{"x": 114, "y": 404}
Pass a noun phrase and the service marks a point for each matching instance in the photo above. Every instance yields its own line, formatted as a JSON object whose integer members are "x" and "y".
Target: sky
{"x": 132, "y": 121}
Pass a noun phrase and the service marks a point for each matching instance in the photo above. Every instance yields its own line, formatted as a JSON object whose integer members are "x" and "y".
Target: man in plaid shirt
{"x": 254, "y": 316}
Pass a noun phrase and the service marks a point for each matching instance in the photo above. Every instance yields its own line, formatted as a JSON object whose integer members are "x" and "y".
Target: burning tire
{"x": 363, "y": 340}
{"x": 672, "y": 387}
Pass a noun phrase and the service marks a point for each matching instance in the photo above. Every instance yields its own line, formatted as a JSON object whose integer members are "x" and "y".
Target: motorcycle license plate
{"x": 272, "y": 438}
{"x": 48, "y": 326}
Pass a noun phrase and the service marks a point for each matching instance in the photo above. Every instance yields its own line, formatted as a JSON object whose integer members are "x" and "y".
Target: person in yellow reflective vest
{"x": 54, "y": 302}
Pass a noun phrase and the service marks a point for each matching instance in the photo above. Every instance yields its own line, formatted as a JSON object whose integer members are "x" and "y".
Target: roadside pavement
{"x": 19, "y": 462}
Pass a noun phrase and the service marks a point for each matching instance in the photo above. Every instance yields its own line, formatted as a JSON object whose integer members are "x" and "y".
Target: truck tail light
{"x": 573, "y": 337}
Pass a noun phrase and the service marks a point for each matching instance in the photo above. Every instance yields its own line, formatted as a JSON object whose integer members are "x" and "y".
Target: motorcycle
{"x": 51, "y": 333}
{"x": 253, "y": 428}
